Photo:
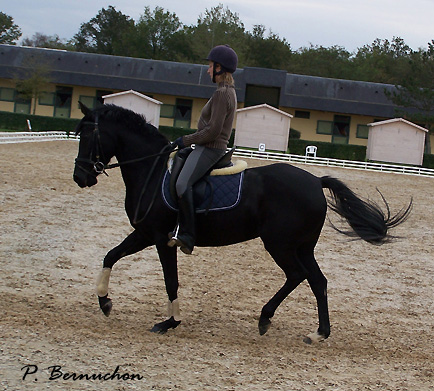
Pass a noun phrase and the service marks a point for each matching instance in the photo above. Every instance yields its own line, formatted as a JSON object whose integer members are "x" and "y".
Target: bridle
{"x": 99, "y": 167}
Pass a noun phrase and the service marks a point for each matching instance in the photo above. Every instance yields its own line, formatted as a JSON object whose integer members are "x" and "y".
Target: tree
{"x": 41, "y": 40}
{"x": 159, "y": 35}
{"x": 331, "y": 62}
{"x": 415, "y": 95}
{"x": 266, "y": 52}
{"x": 31, "y": 84}
{"x": 383, "y": 61}
{"x": 9, "y": 31}
{"x": 217, "y": 26}
{"x": 106, "y": 33}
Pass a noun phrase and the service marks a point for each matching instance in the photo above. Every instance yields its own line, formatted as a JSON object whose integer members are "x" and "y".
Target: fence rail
{"x": 21, "y": 137}
{"x": 320, "y": 161}
{"x": 18, "y": 137}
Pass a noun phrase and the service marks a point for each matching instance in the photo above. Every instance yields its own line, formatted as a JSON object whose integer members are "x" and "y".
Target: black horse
{"x": 283, "y": 205}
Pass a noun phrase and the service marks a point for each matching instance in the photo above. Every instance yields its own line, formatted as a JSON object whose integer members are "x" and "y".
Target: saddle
{"x": 219, "y": 189}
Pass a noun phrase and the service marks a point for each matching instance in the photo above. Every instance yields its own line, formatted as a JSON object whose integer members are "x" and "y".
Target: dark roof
{"x": 191, "y": 80}
{"x": 337, "y": 95}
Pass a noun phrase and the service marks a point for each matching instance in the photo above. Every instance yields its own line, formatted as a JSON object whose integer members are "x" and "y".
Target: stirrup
{"x": 173, "y": 237}
{"x": 176, "y": 242}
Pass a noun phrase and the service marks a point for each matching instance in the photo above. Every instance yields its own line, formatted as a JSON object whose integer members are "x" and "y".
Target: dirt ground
{"x": 53, "y": 239}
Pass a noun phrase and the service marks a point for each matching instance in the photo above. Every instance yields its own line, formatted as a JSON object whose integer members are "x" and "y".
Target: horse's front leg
{"x": 168, "y": 259}
{"x": 132, "y": 244}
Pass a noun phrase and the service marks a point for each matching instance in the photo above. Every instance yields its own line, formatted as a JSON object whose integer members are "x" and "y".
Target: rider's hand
{"x": 178, "y": 143}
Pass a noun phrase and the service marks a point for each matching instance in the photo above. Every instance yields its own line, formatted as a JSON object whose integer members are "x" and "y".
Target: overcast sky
{"x": 347, "y": 23}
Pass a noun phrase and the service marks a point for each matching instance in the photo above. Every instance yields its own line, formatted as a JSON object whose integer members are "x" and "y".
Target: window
{"x": 302, "y": 114}
{"x": 22, "y": 104}
{"x": 183, "y": 113}
{"x": 339, "y": 129}
{"x": 62, "y": 107}
{"x": 47, "y": 99}
{"x": 7, "y": 94}
{"x": 167, "y": 111}
{"x": 362, "y": 131}
{"x": 324, "y": 127}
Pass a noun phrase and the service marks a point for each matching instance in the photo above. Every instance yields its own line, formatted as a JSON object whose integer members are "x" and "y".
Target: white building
{"x": 396, "y": 141}
{"x": 263, "y": 127}
{"x": 138, "y": 103}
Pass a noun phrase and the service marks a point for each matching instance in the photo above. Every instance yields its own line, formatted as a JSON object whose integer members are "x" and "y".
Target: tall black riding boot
{"x": 185, "y": 234}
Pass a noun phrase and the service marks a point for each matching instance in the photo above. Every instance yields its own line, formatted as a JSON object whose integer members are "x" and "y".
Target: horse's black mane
{"x": 133, "y": 121}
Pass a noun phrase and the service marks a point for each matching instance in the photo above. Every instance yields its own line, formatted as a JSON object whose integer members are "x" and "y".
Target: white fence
{"x": 21, "y": 137}
{"x": 383, "y": 167}
{"x": 18, "y": 137}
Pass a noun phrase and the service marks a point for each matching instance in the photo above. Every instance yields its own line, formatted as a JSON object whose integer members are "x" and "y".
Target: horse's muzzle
{"x": 83, "y": 179}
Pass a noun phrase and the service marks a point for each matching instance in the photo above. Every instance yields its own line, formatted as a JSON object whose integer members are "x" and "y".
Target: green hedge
{"x": 329, "y": 150}
{"x": 18, "y": 122}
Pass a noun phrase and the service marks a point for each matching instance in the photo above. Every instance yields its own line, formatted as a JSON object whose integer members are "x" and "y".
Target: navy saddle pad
{"x": 221, "y": 192}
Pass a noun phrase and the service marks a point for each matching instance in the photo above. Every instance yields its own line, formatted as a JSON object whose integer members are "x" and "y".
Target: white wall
{"x": 262, "y": 125}
{"x": 396, "y": 142}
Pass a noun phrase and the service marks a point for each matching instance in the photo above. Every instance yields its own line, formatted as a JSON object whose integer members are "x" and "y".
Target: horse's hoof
{"x": 314, "y": 338}
{"x": 105, "y": 304}
{"x": 161, "y": 328}
{"x": 263, "y": 325}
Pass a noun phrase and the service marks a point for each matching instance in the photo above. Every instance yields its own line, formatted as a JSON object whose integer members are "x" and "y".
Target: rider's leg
{"x": 198, "y": 163}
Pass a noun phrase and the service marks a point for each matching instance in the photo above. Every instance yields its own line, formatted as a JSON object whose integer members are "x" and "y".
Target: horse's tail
{"x": 366, "y": 218}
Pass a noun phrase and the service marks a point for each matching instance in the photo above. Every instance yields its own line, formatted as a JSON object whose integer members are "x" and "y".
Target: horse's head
{"x": 100, "y": 140}
{"x": 95, "y": 150}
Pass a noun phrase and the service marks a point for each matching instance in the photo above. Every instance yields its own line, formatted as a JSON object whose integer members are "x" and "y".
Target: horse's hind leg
{"x": 298, "y": 265}
{"x": 295, "y": 274}
{"x": 268, "y": 310}
{"x": 132, "y": 244}
{"x": 318, "y": 284}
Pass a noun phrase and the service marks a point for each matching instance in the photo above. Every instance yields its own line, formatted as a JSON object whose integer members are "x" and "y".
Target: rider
{"x": 211, "y": 140}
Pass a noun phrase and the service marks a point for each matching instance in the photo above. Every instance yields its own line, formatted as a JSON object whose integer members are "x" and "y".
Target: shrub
{"x": 18, "y": 122}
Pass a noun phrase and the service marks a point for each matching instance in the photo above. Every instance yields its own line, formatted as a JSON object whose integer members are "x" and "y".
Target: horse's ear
{"x": 84, "y": 109}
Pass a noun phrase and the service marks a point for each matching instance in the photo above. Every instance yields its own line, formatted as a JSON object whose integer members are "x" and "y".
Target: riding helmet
{"x": 225, "y": 56}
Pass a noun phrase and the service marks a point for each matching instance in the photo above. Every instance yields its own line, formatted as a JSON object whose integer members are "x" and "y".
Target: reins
{"x": 98, "y": 166}
{"x": 115, "y": 165}
{"x": 136, "y": 219}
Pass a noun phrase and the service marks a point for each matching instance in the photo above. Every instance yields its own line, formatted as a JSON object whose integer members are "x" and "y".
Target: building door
{"x": 258, "y": 95}
{"x": 62, "y": 104}
{"x": 341, "y": 129}
{"x": 183, "y": 113}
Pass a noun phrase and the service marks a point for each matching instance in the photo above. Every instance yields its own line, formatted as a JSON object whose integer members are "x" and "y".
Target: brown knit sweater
{"x": 215, "y": 122}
